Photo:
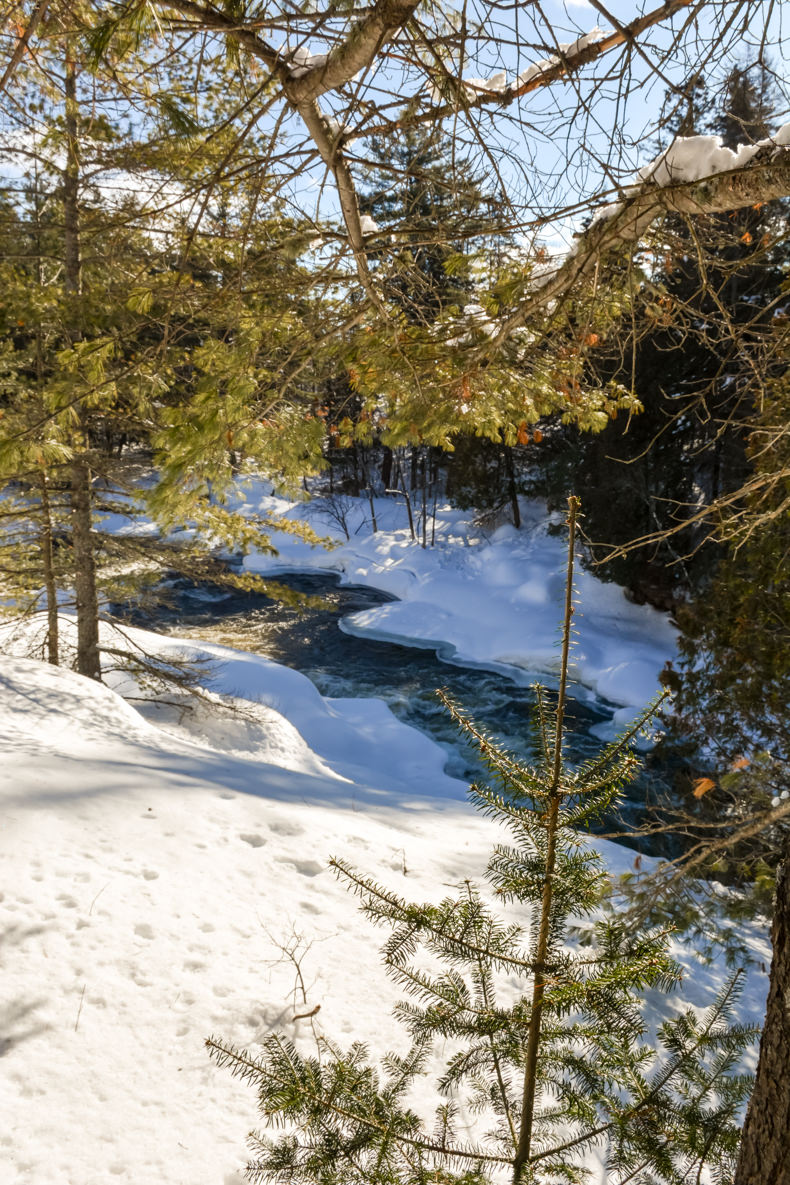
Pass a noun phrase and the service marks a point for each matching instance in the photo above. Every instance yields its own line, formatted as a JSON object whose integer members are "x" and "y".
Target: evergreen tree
{"x": 434, "y": 222}
{"x": 123, "y": 322}
{"x": 565, "y": 1066}
{"x": 436, "y": 225}
{"x": 735, "y": 640}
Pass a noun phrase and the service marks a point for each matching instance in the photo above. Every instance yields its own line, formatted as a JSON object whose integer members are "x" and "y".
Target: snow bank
{"x": 154, "y": 879}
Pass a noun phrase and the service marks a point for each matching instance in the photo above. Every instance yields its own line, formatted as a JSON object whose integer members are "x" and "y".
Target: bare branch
{"x": 565, "y": 64}
{"x": 36, "y": 17}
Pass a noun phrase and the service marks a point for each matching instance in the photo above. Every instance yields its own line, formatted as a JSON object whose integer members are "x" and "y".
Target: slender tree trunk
{"x": 47, "y": 561}
{"x": 47, "y": 548}
{"x": 72, "y": 263}
{"x": 88, "y": 661}
{"x": 511, "y": 486}
{"x": 386, "y": 467}
{"x": 405, "y": 493}
{"x": 544, "y": 929}
{"x": 424, "y": 505}
{"x": 765, "y": 1145}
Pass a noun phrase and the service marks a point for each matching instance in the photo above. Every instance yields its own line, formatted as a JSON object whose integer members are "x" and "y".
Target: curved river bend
{"x": 345, "y": 665}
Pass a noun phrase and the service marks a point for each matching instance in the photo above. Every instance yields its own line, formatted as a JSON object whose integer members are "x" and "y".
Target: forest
{"x": 503, "y": 276}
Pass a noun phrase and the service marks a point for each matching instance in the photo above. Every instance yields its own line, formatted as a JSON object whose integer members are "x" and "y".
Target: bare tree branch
{"x": 565, "y": 64}
{"x": 36, "y": 17}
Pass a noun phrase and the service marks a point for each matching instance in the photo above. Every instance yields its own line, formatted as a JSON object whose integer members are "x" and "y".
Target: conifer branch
{"x": 503, "y": 1094}
{"x": 419, "y": 919}
{"x": 719, "y": 1009}
{"x": 600, "y": 764}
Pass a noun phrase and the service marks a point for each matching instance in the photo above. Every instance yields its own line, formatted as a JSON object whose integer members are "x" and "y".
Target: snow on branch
{"x": 306, "y": 76}
{"x": 476, "y": 92}
{"x": 695, "y": 175}
{"x": 356, "y": 51}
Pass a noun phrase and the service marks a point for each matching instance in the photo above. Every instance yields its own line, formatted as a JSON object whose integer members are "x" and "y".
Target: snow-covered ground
{"x": 157, "y": 868}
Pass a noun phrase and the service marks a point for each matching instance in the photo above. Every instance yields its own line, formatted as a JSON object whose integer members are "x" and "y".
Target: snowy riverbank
{"x": 483, "y": 599}
{"x": 154, "y": 872}
{"x": 158, "y": 866}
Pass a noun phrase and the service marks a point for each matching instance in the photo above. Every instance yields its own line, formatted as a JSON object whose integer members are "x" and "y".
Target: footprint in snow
{"x": 283, "y": 827}
{"x": 305, "y": 867}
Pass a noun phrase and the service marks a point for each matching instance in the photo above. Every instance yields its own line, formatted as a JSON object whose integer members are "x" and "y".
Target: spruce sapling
{"x": 562, "y": 1065}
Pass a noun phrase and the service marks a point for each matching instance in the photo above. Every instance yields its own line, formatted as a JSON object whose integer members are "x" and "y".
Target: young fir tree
{"x": 566, "y": 1066}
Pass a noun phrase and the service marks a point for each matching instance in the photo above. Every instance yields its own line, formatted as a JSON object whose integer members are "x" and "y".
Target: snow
{"x": 532, "y": 71}
{"x": 335, "y": 126}
{"x": 302, "y": 61}
{"x": 498, "y": 82}
{"x": 159, "y": 864}
{"x": 690, "y": 158}
{"x": 155, "y": 873}
{"x": 368, "y": 225}
{"x": 593, "y": 37}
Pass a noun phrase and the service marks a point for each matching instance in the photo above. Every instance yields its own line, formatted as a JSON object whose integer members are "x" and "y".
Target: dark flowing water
{"x": 343, "y": 665}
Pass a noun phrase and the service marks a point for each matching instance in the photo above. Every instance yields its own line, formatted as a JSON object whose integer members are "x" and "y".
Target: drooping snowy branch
{"x": 696, "y": 175}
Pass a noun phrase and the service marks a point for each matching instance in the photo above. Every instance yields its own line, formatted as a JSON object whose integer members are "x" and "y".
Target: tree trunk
{"x": 512, "y": 490}
{"x": 47, "y": 562}
{"x": 72, "y": 263}
{"x": 88, "y": 661}
{"x": 386, "y": 467}
{"x": 765, "y": 1145}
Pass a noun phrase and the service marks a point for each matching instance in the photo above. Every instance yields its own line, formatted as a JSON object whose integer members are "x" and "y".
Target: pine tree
{"x": 124, "y": 322}
{"x": 566, "y": 1066}
{"x": 433, "y": 222}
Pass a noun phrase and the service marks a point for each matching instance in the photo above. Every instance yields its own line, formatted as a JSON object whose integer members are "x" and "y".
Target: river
{"x": 406, "y": 677}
